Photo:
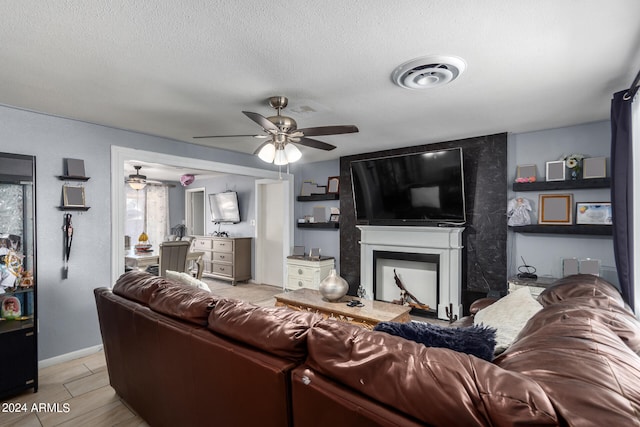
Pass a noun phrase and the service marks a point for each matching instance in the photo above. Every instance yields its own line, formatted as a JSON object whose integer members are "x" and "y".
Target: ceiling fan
{"x": 137, "y": 181}
{"x": 284, "y": 133}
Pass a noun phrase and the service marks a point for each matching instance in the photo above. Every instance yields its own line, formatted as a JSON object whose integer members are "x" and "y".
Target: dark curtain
{"x": 621, "y": 191}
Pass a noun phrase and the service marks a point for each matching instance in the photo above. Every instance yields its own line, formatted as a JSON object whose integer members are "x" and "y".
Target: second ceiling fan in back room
{"x": 283, "y": 133}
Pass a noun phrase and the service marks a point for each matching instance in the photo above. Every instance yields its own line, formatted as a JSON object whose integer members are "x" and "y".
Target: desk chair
{"x": 175, "y": 256}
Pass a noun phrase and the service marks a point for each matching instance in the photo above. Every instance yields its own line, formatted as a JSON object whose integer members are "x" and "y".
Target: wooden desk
{"x": 371, "y": 314}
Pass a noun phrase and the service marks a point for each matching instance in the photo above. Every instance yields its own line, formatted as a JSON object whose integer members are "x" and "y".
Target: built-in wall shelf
{"x": 73, "y": 178}
{"x": 316, "y": 197}
{"x": 74, "y": 208}
{"x": 562, "y": 185}
{"x": 320, "y": 225}
{"x": 584, "y": 229}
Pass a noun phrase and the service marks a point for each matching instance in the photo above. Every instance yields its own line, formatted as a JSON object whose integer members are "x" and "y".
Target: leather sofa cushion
{"x": 577, "y": 286}
{"x": 183, "y": 302}
{"x": 587, "y": 371}
{"x": 277, "y": 330}
{"x": 437, "y": 386}
{"x": 138, "y": 286}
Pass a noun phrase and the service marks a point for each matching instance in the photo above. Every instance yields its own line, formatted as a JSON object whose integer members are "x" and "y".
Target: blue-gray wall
{"x": 545, "y": 251}
{"x": 67, "y": 314}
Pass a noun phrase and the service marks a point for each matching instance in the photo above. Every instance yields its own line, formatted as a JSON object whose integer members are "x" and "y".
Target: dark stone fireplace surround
{"x": 484, "y": 259}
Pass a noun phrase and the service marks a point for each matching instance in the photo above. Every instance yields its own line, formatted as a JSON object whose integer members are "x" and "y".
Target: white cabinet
{"x": 307, "y": 273}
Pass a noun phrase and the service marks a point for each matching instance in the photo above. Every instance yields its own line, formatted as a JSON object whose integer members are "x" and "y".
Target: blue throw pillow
{"x": 477, "y": 340}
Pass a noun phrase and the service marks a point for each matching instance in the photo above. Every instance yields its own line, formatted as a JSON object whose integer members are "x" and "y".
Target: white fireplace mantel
{"x": 443, "y": 241}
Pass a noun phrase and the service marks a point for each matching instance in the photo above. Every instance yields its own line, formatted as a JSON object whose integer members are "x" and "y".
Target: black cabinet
{"x": 18, "y": 275}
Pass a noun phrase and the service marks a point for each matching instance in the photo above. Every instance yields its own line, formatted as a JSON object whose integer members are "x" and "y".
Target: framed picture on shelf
{"x": 334, "y": 218}
{"x": 73, "y": 197}
{"x": 74, "y": 168}
{"x": 594, "y": 213}
{"x": 526, "y": 173}
{"x": 556, "y": 170}
{"x": 555, "y": 209}
{"x": 333, "y": 185}
{"x": 594, "y": 167}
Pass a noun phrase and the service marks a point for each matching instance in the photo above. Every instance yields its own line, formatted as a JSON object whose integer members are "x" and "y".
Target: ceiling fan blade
{"x": 314, "y": 143}
{"x": 262, "y": 121}
{"x": 227, "y": 136}
{"x": 329, "y": 130}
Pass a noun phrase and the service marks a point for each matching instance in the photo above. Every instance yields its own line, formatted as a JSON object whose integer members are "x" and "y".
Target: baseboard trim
{"x": 69, "y": 356}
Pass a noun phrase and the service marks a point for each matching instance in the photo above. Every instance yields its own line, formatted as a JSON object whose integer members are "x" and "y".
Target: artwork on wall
{"x": 594, "y": 167}
{"x": 594, "y": 213}
{"x": 73, "y": 196}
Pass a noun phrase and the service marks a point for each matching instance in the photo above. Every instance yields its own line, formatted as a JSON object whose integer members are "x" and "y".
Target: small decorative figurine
{"x": 518, "y": 212}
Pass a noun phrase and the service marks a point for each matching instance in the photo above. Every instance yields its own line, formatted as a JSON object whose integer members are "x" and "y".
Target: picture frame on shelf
{"x": 590, "y": 266}
{"x": 594, "y": 167}
{"x": 74, "y": 168}
{"x": 314, "y": 253}
{"x": 555, "y": 209}
{"x": 334, "y": 218}
{"x": 526, "y": 173}
{"x": 73, "y": 197}
{"x": 333, "y": 185}
{"x": 594, "y": 213}
{"x": 556, "y": 170}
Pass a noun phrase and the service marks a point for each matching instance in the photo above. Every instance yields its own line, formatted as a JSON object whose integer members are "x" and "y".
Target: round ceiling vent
{"x": 428, "y": 72}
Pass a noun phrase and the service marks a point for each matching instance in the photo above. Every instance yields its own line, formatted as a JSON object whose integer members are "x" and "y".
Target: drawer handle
{"x": 221, "y": 256}
{"x": 221, "y": 268}
{"x": 299, "y": 283}
{"x": 299, "y": 271}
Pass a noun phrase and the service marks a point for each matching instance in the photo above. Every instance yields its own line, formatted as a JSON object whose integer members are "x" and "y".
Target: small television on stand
{"x": 224, "y": 207}
{"x": 425, "y": 188}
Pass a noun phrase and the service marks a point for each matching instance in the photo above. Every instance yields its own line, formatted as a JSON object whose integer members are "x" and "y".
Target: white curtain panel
{"x": 157, "y": 214}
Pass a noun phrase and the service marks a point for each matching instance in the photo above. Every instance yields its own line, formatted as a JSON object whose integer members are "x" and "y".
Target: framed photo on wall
{"x": 555, "y": 209}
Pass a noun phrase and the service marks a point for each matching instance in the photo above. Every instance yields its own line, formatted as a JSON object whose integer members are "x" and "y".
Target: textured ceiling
{"x": 184, "y": 68}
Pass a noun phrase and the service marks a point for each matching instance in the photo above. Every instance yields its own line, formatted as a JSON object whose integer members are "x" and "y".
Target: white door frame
{"x": 188, "y": 196}
{"x": 287, "y": 229}
{"x": 120, "y": 155}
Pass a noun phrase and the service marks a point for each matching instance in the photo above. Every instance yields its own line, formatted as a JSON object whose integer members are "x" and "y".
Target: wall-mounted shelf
{"x": 319, "y": 225}
{"x": 562, "y": 185}
{"x": 316, "y": 197}
{"x": 73, "y": 178}
{"x": 584, "y": 229}
{"x": 74, "y": 208}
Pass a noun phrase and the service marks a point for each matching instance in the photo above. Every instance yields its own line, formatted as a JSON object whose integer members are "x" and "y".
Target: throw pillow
{"x": 478, "y": 341}
{"x": 508, "y": 316}
{"x": 186, "y": 279}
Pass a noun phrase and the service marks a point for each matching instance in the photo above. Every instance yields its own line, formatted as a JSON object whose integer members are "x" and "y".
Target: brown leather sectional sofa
{"x": 181, "y": 356}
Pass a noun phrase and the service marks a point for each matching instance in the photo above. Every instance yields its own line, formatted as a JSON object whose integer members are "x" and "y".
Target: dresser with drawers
{"x": 225, "y": 258}
{"x": 303, "y": 272}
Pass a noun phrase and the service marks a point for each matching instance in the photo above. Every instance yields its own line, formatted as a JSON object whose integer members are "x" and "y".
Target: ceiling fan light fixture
{"x": 137, "y": 181}
{"x": 292, "y": 152}
{"x": 280, "y": 157}
{"x": 267, "y": 153}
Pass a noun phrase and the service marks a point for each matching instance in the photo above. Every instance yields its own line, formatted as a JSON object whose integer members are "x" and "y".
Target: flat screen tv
{"x": 413, "y": 189}
{"x": 224, "y": 207}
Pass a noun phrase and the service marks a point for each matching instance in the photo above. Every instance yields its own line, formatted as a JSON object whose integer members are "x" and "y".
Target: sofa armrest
{"x": 481, "y": 303}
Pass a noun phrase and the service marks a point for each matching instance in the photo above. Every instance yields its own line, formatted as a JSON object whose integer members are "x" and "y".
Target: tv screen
{"x": 224, "y": 207}
{"x": 418, "y": 188}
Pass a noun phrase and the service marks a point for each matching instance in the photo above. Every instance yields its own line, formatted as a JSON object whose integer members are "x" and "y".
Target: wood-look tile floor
{"x": 83, "y": 384}
{"x": 78, "y": 391}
